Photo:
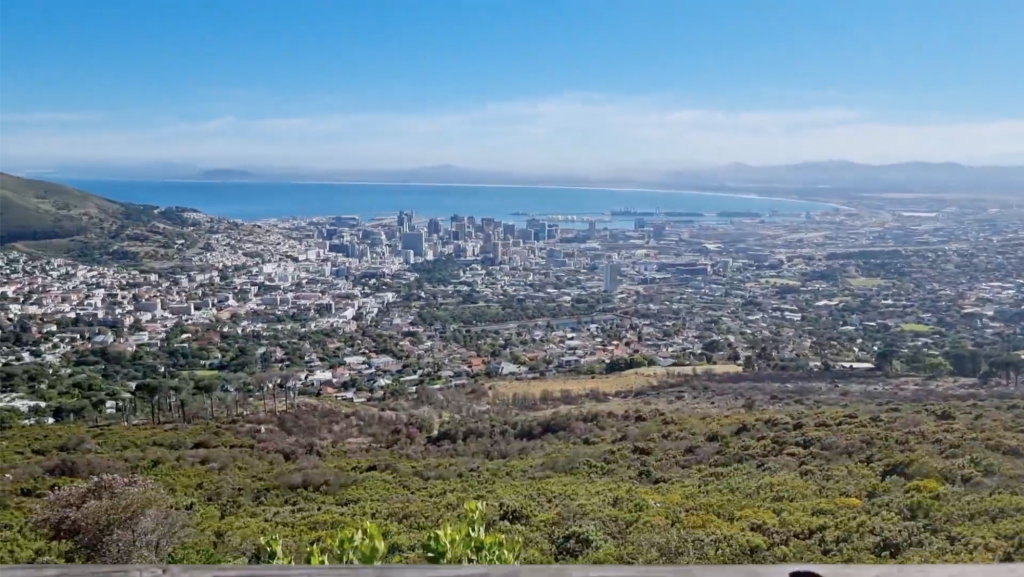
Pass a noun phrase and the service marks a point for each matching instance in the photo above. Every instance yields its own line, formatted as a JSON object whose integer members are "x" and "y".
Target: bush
{"x": 77, "y": 444}
{"x": 577, "y": 541}
{"x": 113, "y": 520}
{"x": 80, "y": 466}
{"x": 318, "y": 479}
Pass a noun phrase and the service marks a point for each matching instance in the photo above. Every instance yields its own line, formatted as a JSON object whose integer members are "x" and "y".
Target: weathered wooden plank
{"x": 1004, "y": 570}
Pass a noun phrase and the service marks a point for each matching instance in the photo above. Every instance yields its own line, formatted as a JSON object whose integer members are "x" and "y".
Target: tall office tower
{"x": 611, "y": 277}
{"x": 405, "y": 220}
{"x": 470, "y": 222}
{"x": 509, "y": 228}
{"x": 639, "y": 224}
{"x": 414, "y": 241}
{"x": 539, "y": 228}
{"x": 456, "y": 218}
{"x": 592, "y": 229}
{"x": 434, "y": 227}
{"x": 487, "y": 223}
{"x": 659, "y": 230}
{"x": 552, "y": 231}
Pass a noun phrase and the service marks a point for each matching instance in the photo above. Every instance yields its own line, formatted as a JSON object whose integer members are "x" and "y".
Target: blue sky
{"x": 585, "y": 85}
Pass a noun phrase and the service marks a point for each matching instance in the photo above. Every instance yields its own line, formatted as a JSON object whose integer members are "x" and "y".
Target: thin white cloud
{"x": 574, "y": 133}
{"x": 48, "y": 117}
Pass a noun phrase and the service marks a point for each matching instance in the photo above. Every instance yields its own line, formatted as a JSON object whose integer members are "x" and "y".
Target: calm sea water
{"x": 259, "y": 200}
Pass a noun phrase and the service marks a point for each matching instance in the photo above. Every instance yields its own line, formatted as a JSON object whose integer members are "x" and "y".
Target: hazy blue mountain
{"x": 908, "y": 176}
{"x": 839, "y": 176}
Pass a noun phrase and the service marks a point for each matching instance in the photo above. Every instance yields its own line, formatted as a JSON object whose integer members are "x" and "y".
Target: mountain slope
{"x": 40, "y": 210}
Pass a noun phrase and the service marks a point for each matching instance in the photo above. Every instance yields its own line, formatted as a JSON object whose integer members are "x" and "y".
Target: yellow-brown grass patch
{"x": 624, "y": 381}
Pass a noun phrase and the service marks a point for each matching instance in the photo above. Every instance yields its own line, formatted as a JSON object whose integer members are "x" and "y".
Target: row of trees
{"x": 965, "y": 362}
{"x": 173, "y": 395}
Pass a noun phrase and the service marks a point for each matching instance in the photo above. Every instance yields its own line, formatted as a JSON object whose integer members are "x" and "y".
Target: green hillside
{"x": 55, "y": 220}
{"x": 40, "y": 210}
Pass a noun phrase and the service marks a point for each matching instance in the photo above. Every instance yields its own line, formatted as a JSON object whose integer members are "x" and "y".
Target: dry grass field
{"x": 608, "y": 383}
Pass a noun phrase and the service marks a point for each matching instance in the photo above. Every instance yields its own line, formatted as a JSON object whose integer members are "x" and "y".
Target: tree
{"x": 967, "y": 362}
{"x": 150, "y": 390}
{"x": 207, "y": 387}
{"x": 269, "y": 381}
{"x": 748, "y": 363}
{"x": 180, "y": 389}
{"x": 113, "y": 520}
{"x": 937, "y": 366}
{"x": 1008, "y": 365}
{"x": 98, "y": 406}
{"x": 395, "y": 390}
{"x": 885, "y": 358}
{"x": 713, "y": 345}
{"x": 260, "y": 384}
{"x": 10, "y": 417}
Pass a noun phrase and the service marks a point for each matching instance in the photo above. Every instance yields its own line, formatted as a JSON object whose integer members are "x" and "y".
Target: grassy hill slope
{"x": 40, "y": 210}
{"x": 55, "y": 220}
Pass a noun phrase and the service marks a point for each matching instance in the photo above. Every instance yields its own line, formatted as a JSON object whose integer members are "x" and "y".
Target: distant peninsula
{"x": 739, "y": 214}
{"x": 666, "y": 213}
{"x": 227, "y": 174}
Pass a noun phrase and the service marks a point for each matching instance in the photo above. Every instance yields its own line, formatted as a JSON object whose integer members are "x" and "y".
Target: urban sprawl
{"x": 357, "y": 310}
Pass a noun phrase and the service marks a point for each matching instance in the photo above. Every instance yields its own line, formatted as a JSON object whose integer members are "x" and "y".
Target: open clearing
{"x": 865, "y": 282}
{"x": 915, "y": 328}
{"x": 607, "y": 383}
{"x": 204, "y": 372}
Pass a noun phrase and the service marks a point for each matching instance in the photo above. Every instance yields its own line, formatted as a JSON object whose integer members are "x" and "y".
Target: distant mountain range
{"x": 824, "y": 179}
{"x": 907, "y": 177}
{"x": 838, "y": 175}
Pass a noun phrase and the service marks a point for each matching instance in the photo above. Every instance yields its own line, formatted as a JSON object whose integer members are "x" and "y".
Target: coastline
{"x": 531, "y": 186}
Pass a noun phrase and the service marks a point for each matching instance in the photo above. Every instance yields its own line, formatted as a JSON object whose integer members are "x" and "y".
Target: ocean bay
{"x": 263, "y": 200}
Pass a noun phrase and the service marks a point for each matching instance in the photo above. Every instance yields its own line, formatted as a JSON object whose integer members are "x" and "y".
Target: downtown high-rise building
{"x": 415, "y": 241}
{"x": 509, "y": 230}
{"x": 611, "y": 276}
{"x": 405, "y": 220}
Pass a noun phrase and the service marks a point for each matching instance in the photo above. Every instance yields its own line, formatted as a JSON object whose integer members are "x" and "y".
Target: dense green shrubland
{"x": 687, "y": 476}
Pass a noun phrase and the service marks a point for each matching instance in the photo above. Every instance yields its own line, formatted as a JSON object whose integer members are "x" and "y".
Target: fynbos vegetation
{"x": 691, "y": 472}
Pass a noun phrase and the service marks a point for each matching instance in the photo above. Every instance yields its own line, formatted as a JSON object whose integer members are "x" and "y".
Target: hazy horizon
{"x": 562, "y": 87}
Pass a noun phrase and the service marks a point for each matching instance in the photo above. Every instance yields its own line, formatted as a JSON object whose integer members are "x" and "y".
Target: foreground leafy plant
{"x": 466, "y": 543}
{"x": 271, "y": 552}
{"x": 363, "y": 546}
{"x": 469, "y": 544}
